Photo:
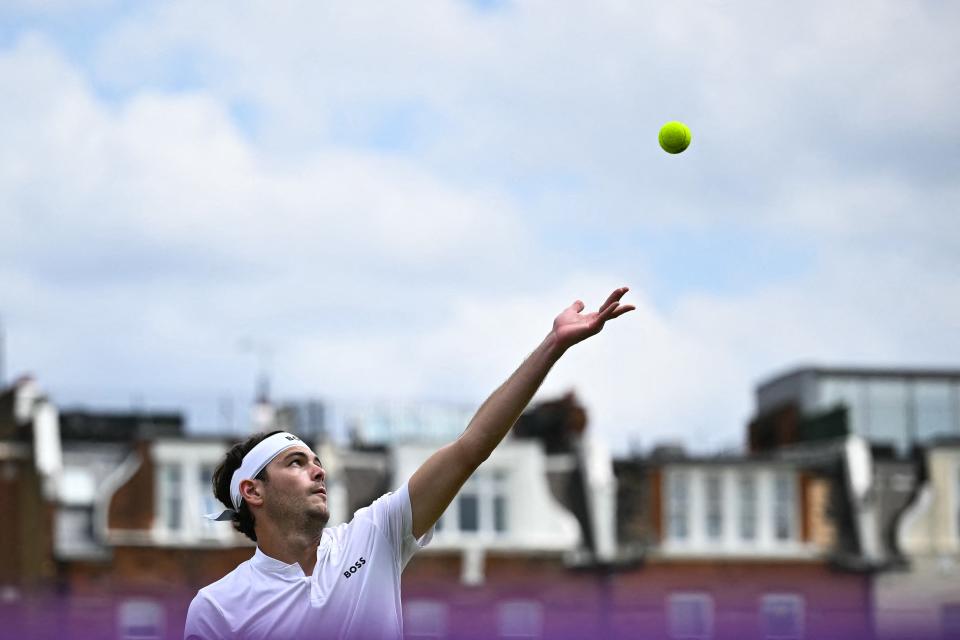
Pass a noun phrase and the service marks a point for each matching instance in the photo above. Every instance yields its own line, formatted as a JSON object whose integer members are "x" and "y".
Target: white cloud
{"x": 145, "y": 234}
{"x": 158, "y": 214}
{"x": 57, "y": 7}
{"x": 166, "y": 172}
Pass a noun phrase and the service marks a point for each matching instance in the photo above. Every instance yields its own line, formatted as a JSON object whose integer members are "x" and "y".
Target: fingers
{"x": 614, "y": 297}
{"x": 621, "y": 309}
{"x": 612, "y": 307}
{"x": 614, "y": 310}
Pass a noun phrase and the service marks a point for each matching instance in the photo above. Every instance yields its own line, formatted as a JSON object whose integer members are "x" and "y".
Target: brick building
{"x": 816, "y": 532}
{"x": 110, "y": 542}
{"x": 738, "y": 547}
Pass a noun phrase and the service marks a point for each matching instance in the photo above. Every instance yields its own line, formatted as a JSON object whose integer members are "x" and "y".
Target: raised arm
{"x": 434, "y": 485}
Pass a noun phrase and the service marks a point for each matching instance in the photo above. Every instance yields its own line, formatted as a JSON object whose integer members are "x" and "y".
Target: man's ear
{"x": 252, "y": 492}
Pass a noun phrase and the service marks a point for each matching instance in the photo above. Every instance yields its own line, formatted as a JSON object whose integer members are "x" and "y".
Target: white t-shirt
{"x": 354, "y": 591}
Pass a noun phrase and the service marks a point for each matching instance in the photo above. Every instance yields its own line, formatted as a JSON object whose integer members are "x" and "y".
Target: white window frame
{"x": 208, "y": 502}
{"x": 789, "y": 509}
{"x": 713, "y": 481}
{"x": 520, "y": 619}
{"x": 956, "y": 505}
{"x": 949, "y": 611}
{"x": 748, "y": 499}
{"x": 486, "y": 485}
{"x": 128, "y": 611}
{"x": 418, "y": 610}
{"x": 701, "y": 599}
{"x": 679, "y": 509}
{"x": 796, "y": 602}
{"x": 469, "y": 490}
{"x": 191, "y": 458}
{"x": 500, "y": 487}
{"x": 747, "y": 510}
{"x": 170, "y": 492}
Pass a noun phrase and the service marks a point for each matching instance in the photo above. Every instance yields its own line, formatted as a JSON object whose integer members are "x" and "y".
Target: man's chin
{"x": 319, "y": 515}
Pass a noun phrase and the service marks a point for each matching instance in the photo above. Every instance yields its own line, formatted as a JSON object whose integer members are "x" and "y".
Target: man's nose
{"x": 319, "y": 472}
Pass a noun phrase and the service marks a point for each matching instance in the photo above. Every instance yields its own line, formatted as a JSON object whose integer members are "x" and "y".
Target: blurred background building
{"x": 839, "y": 519}
{"x": 896, "y": 408}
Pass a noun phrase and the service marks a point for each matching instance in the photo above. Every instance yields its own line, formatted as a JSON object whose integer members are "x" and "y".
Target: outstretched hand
{"x": 572, "y": 326}
{"x": 435, "y": 484}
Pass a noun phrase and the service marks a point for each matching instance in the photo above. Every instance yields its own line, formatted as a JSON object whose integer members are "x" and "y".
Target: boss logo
{"x": 355, "y": 567}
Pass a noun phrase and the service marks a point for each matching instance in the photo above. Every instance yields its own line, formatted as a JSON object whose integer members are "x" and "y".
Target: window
{"x": 424, "y": 619}
{"x": 209, "y": 504}
{"x": 714, "y": 491}
{"x": 690, "y": 616}
{"x": 950, "y": 620}
{"x": 468, "y": 506}
{"x": 74, "y": 531}
{"x": 520, "y": 619}
{"x": 9, "y": 595}
{"x": 500, "y": 502}
{"x": 140, "y": 620}
{"x": 482, "y": 506}
{"x": 935, "y": 409}
{"x": 469, "y": 518}
{"x": 845, "y": 392}
{"x": 901, "y": 482}
{"x": 171, "y": 496}
{"x": 781, "y": 617}
{"x": 183, "y": 489}
{"x": 748, "y": 506}
{"x": 677, "y": 505}
{"x": 956, "y": 502}
{"x": 784, "y": 498}
{"x": 887, "y": 417}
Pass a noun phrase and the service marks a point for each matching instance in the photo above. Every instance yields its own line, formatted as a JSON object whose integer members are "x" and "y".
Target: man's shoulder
{"x": 216, "y": 592}
{"x": 391, "y": 500}
{"x": 207, "y": 615}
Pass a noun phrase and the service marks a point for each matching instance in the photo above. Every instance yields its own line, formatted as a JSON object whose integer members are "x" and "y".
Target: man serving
{"x": 305, "y": 581}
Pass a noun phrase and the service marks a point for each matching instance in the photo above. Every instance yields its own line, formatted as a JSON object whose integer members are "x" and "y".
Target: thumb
{"x": 578, "y": 306}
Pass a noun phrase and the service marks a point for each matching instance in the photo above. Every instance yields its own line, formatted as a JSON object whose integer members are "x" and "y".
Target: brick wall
{"x": 132, "y": 506}
{"x": 632, "y": 603}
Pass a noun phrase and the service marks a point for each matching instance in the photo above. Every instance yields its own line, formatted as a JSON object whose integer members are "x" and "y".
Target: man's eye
{"x": 296, "y": 462}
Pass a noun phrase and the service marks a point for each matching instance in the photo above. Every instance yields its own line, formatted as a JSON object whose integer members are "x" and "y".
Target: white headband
{"x": 253, "y": 463}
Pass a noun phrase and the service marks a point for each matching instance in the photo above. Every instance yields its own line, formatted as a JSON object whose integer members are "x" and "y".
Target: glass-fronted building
{"x": 898, "y": 407}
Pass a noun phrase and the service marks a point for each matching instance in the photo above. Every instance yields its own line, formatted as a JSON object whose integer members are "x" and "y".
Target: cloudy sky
{"x": 391, "y": 201}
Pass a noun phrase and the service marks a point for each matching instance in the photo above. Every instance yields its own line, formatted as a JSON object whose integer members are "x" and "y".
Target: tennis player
{"x": 306, "y": 581}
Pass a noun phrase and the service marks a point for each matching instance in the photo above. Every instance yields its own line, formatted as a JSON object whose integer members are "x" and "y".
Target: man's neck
{"x": 290, "y": 547}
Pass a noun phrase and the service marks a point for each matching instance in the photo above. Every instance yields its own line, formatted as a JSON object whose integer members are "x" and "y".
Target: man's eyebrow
{"x": 316, "y": 458}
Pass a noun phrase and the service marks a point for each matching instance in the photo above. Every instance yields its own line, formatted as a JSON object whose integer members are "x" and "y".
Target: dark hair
{"x": 243, "y": 520}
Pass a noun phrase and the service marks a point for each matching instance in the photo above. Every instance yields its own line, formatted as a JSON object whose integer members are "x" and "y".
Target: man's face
{"x": 295, "y": 490}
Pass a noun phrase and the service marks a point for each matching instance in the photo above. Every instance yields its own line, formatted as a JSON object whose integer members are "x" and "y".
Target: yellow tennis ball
{"x": 674, "y": 137}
